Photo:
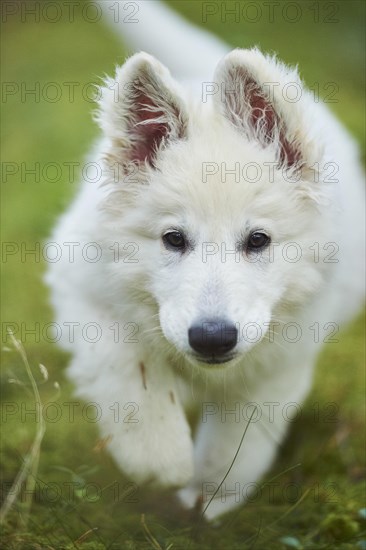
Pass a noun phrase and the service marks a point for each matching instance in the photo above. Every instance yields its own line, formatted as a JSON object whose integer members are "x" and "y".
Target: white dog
{"x": 221, "y": 246}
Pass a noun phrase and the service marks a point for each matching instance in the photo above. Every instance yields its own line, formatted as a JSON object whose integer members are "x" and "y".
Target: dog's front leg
{"x": 221, "y": 451}
{"x": 218, "y": 441}
{"x": 140, "y": 410}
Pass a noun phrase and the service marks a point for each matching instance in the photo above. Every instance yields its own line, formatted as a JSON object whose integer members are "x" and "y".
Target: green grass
{"x": 330, "y": 476}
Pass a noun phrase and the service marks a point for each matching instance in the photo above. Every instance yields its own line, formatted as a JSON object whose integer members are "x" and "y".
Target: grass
{"x": 96, "y": 507}
{"x": 27, "y": 474}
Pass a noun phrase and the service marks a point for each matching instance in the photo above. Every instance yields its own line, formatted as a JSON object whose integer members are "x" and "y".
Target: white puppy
{"x": 222, "y": 245}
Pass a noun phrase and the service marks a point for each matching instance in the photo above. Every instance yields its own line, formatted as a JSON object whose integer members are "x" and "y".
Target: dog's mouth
{"x": 212, "y": 360}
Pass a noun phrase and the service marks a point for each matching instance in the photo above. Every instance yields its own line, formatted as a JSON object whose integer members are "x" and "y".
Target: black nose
{"x": 213, "y": 338}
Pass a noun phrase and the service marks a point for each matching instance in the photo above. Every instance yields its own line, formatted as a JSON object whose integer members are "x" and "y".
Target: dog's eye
{"x": 174, "y": 240}
{"x": 258, "y": 240}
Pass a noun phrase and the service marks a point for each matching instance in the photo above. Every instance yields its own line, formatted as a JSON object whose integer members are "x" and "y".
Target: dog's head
{"x": 224, "y": 199}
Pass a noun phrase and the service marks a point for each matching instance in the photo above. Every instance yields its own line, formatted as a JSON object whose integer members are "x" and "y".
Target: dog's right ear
{"x": 141, "y": 111}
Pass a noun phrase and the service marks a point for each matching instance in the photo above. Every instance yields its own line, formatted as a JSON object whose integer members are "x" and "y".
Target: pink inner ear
{"x": 289, "y": 155}
{"x": 263, "y": 118}
{"x": 262, "y": 109}
{"x": 149, "y": 136}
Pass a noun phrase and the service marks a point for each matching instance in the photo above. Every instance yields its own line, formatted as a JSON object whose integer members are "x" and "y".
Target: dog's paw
{"x": 192, "y": 498}
{"x": 164, "y": 460}
{"x": 188, "y": 497}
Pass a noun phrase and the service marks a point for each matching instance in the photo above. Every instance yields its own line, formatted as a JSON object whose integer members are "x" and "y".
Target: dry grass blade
{"x": 232, "y": 463}
{"x": 28, "y": 472}
{"x": 149, "y": 536}
{"x": 85, "y": 535}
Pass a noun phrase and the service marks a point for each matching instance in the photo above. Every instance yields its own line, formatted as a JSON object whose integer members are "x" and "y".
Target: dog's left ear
{"x": 141, "y": 111}
{"x": 266, "y": 101}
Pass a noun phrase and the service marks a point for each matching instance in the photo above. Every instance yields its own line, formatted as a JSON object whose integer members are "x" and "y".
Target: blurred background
{"x": 52, "y": 54}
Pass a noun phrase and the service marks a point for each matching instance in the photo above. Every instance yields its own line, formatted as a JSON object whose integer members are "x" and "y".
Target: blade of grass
{"x": 28, "y": 472}
{"x": 232, "y": 463}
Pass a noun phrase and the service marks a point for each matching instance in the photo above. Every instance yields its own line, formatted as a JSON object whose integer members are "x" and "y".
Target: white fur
{"x": 163, "y": 293}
